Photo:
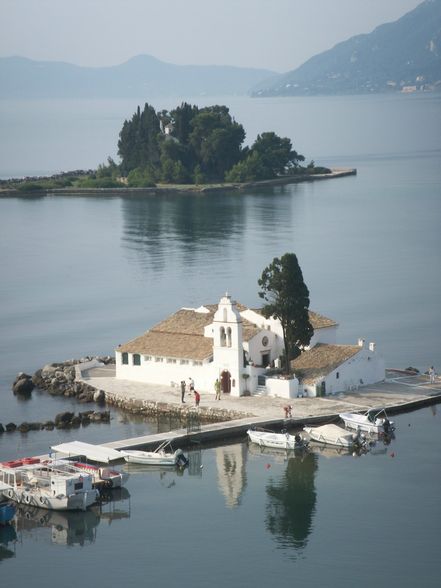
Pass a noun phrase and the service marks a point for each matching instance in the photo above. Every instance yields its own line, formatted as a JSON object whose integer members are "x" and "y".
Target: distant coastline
{"x": 165, "y": 189}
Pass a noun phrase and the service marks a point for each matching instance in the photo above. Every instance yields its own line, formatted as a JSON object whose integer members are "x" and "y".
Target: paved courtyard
{"x": 396, "y": 391}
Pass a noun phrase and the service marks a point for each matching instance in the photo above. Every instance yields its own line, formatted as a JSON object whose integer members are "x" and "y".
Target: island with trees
{"x": 188, "y": 148}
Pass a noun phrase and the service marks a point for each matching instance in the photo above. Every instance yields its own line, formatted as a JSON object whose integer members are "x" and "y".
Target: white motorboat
{"x": 38, "y": 483}
{"x": 374, "y": 421}
{"x": 334, "y": 435}
{"x": 277, "y": 440}
{"x": 159, "y": 457}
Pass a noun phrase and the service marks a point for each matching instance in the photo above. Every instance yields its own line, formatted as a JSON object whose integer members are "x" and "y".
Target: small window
{"x": 147, "y": 358}
{"x": 337, "y": 375}
{"x": 125, "y": 359}
{"x": 136, "y": 359}
{"x": 197, "y": 363}
{"x": 184, "y": 362}
{"x": 171, "y": 360}
{"x": 159, "y": 359}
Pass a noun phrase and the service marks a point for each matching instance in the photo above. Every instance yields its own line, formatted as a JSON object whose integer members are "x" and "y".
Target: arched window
{"x": 229, "y": 337}
{"x": 136, "y": 359}
{"x": 125, "y": 359}
{"x": 223, "y": 338}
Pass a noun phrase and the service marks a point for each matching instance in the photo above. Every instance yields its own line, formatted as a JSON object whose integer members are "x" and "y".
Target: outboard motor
{"x": 387, "y": 427}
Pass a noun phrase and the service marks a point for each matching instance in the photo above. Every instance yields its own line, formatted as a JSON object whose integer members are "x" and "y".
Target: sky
{"x": 272, "y": 34}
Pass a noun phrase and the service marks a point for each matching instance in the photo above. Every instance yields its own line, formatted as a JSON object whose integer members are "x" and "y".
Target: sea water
{"x": 80, "y": 275}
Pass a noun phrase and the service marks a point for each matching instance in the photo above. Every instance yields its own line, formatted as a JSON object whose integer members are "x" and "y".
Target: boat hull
{"x": 332, "y": 435}
{"x": 275, "y": 440}
{"x": 362, "y": 423}
{"x": 153, "y": 457}
{"x": 7, "y": 513}
{"x": 34, "y": 497}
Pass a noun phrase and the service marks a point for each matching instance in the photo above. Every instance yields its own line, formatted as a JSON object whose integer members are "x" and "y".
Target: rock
{"x": 63, "y": 417}
{"x": 24, "y": 428}
{"x": 99, "y": 396}
{"x": 49, "y": 425}
{"x": 49, "y": 370}
{"x": 62, "y": 425}
{"x": 75, "y": 422}
{"x": 23, "y": 385}
{"x": 85, "y": 397}
{"x": 10, "y": 427}
{"x": 38, "y": 380}
{"x": 2, "y": 429}
{"x": 35, "y": 426}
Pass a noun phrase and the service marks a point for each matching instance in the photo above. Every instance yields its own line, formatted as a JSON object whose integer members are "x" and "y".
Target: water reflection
{"x": 231, "y": 472}
{"x": 291, "y": 502}
{"x": 70, "y": 527}
{"x": 8, "y": 537}
{"x": 157, "y": 226}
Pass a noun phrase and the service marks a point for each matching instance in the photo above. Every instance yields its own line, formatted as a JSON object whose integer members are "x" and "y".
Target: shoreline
{"x": 167, "y": 189}
{"x": 92, "y": 380}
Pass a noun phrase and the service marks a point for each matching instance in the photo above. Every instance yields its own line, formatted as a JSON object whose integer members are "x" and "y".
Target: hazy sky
{"x": 273, "y": 34}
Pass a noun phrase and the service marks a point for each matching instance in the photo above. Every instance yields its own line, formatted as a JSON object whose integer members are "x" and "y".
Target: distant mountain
{"x": 142, "y": 76}
{"x": 404, "y": 55}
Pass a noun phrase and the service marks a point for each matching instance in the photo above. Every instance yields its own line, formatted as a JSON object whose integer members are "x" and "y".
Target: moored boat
{"x": 38, "y": 483}
{"x": 7, "y": 512}
{"x": 373, "y": 421}
{"x": 334, "y": 435}
{"x": 159, "y": 457}
{"x": 277, "y": 440}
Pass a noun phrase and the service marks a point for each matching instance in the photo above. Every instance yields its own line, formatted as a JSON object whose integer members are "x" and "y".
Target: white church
{"x": 242, "y": 348}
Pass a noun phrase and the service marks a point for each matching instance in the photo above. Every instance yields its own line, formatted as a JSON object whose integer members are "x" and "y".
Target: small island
{"x": 183, "y": 150}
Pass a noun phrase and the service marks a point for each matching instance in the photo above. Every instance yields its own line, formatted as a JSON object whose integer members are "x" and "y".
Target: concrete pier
{"x": 398, "y": 393}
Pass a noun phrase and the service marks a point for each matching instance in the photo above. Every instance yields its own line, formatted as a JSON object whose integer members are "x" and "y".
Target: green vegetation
{"x": 188, "y": 145}
{"x": 287, "y": 297}
{"x": 192, "y": 145}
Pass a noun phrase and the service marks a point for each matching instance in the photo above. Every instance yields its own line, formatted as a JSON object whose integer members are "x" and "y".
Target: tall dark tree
{"x": 138, "y": 144}
{"x": 216, "y": 139}
{"x": 287, "y": 297}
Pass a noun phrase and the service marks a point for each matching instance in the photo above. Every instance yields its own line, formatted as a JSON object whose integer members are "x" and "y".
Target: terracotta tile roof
{"x": 321, "y": 360}
{"x": 174, "y": 345}
{"x": 318, "y": 321}
{"x": 181, "y": 336}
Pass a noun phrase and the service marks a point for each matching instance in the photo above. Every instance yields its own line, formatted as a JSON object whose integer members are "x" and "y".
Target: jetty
{"x": 231, "y": 416}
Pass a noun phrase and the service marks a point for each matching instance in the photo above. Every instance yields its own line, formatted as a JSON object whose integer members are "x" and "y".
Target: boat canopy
{"x": 98, "y": 453}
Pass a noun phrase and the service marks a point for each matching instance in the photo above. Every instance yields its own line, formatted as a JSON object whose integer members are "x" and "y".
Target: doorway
{"x": 225, "y": 381}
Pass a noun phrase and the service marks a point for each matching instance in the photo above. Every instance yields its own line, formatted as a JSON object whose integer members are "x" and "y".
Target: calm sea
{"x": 80, "y": 275}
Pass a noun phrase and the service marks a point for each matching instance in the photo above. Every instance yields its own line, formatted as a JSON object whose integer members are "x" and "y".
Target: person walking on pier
{"x": 432, "y": 374}
{"x": 191, "y": 384}
{"x": 183, "y": 385}
{"x": 217, "y": 389}
{"x": 197, "y": 398}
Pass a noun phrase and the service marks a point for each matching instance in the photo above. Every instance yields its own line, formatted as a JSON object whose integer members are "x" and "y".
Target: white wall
{"x": 364, "y": 368}
{"x": 152, "y": 372}
{"x": 255, "y": 348}
{"x": 282, "y": 388}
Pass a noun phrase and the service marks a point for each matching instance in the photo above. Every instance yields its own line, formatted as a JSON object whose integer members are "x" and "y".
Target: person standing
{"x": 197, "y": 398}
{"x": 183, "y": 386}
{"x": 432, "y": 374}
{"x": 191, "y": 384}
{"x": 217, "y": 389}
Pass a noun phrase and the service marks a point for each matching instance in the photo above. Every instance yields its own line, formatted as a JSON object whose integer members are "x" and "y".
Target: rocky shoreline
{"x": 66, "y": 379}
